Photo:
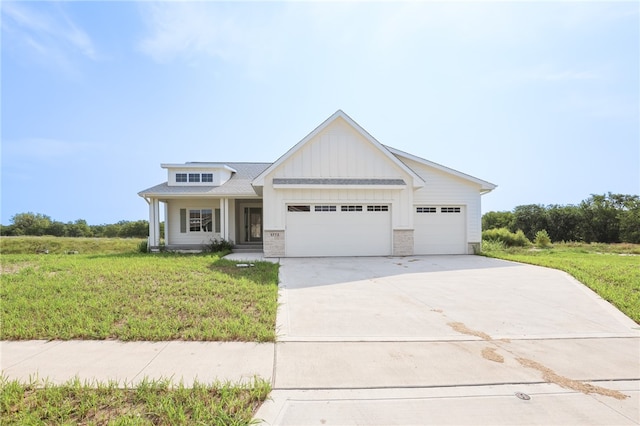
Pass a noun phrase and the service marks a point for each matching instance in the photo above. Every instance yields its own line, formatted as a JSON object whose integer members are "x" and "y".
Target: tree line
{"x": 608, "y": 218}
{"x": 37, "y": 224}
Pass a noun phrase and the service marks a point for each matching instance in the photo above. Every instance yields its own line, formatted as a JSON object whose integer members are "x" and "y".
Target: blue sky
{"x": 541, "y": 99}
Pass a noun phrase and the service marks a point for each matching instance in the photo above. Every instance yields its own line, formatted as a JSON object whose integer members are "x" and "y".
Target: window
{"x": 325, "y": 208}
{"x": 351, "y": 208}
{"x": 377, "y": 208}
{"x": 181, "y": 177}
{"x": 449, "y": 209}
{"x": 425, "y": 210}
{"x": 200, "y": 220}
{"x": 194, "y": 177}
{"x": 207, "y": 177}
{"x": 299, "y": 208}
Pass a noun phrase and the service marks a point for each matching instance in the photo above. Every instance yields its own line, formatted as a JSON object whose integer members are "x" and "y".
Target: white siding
{"x": 445, "y": 189}
{"x": 338, "y": 152}
{"x": 173, "y": 221}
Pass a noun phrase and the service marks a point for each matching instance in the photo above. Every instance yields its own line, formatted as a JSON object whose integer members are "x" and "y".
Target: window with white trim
{"x": 449, "y": 209}
{"x": 181, "y": 177}
{"x": 377, "y": 208}
{"x": 201, "y": 220}
{"x": 194, "y": 177}
{"x": 351, "y": 208}
{"x": 426, "y": 210}
{"x": 207, "y": 177}
{"x": 325, "y": 208}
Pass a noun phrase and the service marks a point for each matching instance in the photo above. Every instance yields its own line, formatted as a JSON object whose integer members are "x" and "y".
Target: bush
{"x": 221, "y": 245}
{"x": 508, "y": 238}
{"x": 143, "y": 247}
{"x": 542, "y": 239}
{"x": 492, "y": 245}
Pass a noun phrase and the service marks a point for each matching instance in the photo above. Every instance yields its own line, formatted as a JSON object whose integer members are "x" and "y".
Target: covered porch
{"x": 194, "y": 223}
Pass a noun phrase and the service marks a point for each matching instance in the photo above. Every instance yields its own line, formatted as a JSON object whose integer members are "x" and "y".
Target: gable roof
{"x": 417, "y": 180}
{"x": 484, "y": 185}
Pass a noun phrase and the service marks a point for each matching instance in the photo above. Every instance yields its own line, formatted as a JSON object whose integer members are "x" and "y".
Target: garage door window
{"x": 426, "y": 210}
{"x": 299, "y": 208}
{"x": 351, "y": 208}
{"x": 377, "y": 208}
{"x": 449, "y": 209}
{"x": 325, "y": 208}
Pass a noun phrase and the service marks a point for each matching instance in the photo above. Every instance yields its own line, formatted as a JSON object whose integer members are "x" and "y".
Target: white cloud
{"x": 45, "y": 31}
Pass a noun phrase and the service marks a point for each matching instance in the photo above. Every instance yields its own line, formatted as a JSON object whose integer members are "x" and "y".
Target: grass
{"x": 149, "y": 403}
{"x": 136, "y": 296}
{"x": 611, "y": 270}
{"x": 62, "y": 245}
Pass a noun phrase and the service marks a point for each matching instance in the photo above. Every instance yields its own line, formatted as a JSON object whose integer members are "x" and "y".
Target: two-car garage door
{"x": 439, "y": 230}
{"x": 338, "y": 230}
{"x": 365, "y": 230}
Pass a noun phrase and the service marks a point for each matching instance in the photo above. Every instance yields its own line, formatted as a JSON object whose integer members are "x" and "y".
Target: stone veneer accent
{"x": 474, "y": 248}
{"x": 273, "y": 243}
{"x": 402, "y": 242}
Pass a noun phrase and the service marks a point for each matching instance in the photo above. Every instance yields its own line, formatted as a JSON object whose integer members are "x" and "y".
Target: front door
{"x": 253, "y": 224}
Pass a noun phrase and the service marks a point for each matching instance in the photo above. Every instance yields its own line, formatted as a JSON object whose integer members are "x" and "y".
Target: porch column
{"x": 225, "y": 218}
{"x": 154, "y": 222}
{"x": 166, "y": 223}
{"x": 223, "y": 224}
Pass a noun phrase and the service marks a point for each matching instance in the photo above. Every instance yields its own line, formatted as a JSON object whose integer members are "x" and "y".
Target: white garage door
{"x": 439, "y": 230}
{"x": 338, "y": 230}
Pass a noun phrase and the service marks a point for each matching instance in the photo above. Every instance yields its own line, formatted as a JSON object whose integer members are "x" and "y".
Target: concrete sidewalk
{"x": 131, "y": 362}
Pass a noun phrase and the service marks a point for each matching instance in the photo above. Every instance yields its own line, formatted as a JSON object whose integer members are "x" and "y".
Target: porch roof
{"x": 238, "y": 185}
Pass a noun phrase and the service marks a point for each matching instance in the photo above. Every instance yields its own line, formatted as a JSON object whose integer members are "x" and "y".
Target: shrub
{"x": 542, "y": 239}
{"x": 492, "y": 245}
{"x": 221, "y": 245}
{"x": 508, "y": 238}
{"x": 143, "y": 247}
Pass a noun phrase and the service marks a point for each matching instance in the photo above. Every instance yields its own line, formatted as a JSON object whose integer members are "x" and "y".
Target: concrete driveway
{"x": 448, "y": 340}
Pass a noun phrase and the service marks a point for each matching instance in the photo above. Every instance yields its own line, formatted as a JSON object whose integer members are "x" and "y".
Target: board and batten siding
{"x": 173, "y": 210}
{"x": 445, "y": 189}
{"x": 338, "y": 152}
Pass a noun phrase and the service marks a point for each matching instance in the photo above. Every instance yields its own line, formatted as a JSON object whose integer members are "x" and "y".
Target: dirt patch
{"x": 491, "y": 354}
{"x": 13, "y": 268}
{"x": 461, "y": 328}
{"x": 552, "y": 377}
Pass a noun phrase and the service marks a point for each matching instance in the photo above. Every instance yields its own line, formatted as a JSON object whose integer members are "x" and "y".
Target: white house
{"x": 337, "y": 192}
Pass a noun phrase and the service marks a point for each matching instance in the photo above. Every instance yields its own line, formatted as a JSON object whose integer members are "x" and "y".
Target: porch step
{"x": 247, "y": 248}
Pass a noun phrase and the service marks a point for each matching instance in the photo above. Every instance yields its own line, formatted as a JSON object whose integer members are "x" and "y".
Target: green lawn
{"x": 612, "y": 271}
{"x": 62, "y": 245}
{"x": 136, "y": 296}
{"x": 149, "y": 403}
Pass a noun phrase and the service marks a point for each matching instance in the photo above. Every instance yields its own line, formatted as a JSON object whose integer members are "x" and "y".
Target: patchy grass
{"x": 137, "y": 297}
{"x": 62, "y": 245}
{"x": 611, "y": 270}
{"x": 150, "y": 403}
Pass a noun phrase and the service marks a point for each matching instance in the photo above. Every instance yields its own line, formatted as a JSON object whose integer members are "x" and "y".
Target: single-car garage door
{"x": 338, "y": 230}
{"x": 439, "y": 230}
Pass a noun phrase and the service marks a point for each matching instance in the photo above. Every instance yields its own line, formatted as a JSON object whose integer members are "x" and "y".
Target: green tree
{"x": 600, "y": 219}
{"x": 529, "y": 218}
{"x": 30, "y": 223}
{"x": 564, "y": 223}
{"x": 79, "y": 228}
{"x": 496, "y": 220}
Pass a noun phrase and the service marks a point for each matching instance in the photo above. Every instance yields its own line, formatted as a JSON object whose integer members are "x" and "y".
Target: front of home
{"x": 337, "y": 192}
